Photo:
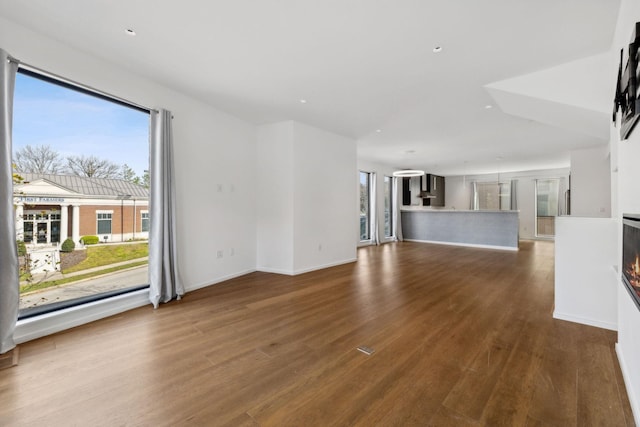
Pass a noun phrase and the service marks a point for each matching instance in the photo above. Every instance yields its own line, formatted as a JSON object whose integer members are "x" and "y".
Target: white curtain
{"x": 514, "y": 195}
{"x": 9, "y": 281}
{"x": 373, "y": 208}
{"x": 397, "y": 204}
{"x": 474, "y": 196}
{"x": 164, "y": 280}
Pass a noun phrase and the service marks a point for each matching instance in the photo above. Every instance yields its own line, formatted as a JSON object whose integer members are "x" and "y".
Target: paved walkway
{"x": 57, "y": 275}
{"x": 121, "y": 279}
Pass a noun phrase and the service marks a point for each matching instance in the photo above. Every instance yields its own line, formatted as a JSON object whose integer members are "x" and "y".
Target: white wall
{"x": 458, "y": 193}
{"x": 585, "y": 279}
{"x": 214, "y": 158}
{"x": 306, "y": 196}
{"x": 324, "y": 224}
{"x": 591, "y": 182}
{"x": 274, "y": 198}
{"x": 625, "y": 155}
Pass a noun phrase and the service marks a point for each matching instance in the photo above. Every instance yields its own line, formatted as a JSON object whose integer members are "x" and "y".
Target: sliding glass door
{"x": 547, "y": 206}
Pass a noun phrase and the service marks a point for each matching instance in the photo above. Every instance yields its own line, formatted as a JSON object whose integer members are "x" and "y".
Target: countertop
{"x": 427, "y": 209}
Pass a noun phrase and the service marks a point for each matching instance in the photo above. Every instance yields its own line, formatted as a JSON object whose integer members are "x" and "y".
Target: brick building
{"x": 51, "y": 208}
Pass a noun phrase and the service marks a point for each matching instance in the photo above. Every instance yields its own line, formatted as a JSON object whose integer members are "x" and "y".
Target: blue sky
{"x": 73, "y": 123}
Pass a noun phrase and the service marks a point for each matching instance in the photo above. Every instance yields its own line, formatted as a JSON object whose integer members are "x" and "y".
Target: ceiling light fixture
{"x": 437, "y": 49}
{"x": 407, "y": 173}
{"x": 488, "y": 106}
{"x": 378, "y": 130}
{"x": 303, "y": 101}
{"x": 130, "y": 32}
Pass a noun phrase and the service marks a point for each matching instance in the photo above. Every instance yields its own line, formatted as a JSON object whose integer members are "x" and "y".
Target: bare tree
{"x": 38, "y": 159}
{"x": 93, "y": 167}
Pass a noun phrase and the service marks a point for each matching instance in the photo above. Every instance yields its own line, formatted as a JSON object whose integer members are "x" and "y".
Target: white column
{"x": 64, "y": 221}
{"x": 20, "y": 221}
{"x": 75, "y": 224}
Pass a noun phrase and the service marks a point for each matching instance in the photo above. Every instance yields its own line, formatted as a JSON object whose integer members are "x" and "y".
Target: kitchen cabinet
{"x": 432, "y": 190}
{"x": 406, "y": 191}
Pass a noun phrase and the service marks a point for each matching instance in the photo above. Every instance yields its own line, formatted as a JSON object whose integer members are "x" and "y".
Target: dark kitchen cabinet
{"x": 432, "y": 187}
{"x": 406, "y": 191}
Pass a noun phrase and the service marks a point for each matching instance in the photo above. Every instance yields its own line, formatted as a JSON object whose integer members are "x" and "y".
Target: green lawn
{"x": 47, "y": 284}
{"x": 100, "y": 255}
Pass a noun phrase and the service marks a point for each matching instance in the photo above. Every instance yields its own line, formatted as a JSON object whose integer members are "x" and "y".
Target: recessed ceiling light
{"x": 488, "y": 106}
{"x": 378, "y": 130}
{"x": 303, "y": 101}
{"x": 130, "y": 32}
{"x": 437, "y": 49}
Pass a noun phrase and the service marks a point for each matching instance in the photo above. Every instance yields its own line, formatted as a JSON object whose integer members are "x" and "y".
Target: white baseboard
{"x": 635, "y": 405}
{"x": 320, "y": 267}
{"x": 217, "y": 280}
{"x": 468, "y": 245}
{"x": 275, "y": 271}
{"x": 306, "y": 270}
{"x": 585, "y": 321}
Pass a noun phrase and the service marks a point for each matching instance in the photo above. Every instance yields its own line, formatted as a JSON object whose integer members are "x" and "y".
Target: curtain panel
{"x": 164, "y": 280}
{"x": 9, "y": 277}
{"x": 373, "y": 207}
{"x": 397, "y": 205}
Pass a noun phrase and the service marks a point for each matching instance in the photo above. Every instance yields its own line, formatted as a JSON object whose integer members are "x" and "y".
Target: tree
{"x": 92, "y": 167}
{"x": 146, "y": 181}
{"x": 17, "y": 178}
{"x": 38, "y": 159}
{"x": 128, "y": 174}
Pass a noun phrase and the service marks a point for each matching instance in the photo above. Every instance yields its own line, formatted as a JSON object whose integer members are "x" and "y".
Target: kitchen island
{"x": 485, "y": 229}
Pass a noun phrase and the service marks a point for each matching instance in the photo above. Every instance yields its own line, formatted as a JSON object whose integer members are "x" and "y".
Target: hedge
{"x": 90, "y": 240}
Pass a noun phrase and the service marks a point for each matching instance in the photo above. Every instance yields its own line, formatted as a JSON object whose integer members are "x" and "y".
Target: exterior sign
{"x": 41, "y": 199}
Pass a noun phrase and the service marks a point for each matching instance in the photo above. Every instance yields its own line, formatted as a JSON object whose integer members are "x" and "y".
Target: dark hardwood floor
{"x": 462, "y": 337}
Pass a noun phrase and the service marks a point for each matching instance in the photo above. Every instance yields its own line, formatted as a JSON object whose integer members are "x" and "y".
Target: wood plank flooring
{"x": 462, "y": 337}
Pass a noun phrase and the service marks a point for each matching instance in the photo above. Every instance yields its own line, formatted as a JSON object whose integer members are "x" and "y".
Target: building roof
{"x": 100, "y": 187}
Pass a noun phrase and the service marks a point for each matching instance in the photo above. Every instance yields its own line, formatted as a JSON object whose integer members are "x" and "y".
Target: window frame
{"x": 142, "y": 221}
{"x": 98, "y": 219}
{"x": 369, "y": 207}
{"x": 63, "y": 315}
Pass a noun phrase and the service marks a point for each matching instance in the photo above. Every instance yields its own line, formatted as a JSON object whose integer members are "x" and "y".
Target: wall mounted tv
{"x": 627, "y": 93}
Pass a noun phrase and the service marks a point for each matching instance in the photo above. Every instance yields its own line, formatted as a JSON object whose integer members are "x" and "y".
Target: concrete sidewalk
{"x": 96, "y": 285}
{"x": 57, "y": 275}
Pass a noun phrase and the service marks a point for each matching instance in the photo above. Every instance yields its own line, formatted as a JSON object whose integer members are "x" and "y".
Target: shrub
{"x": 90, "y": 240}
{"x": 22, "y": 248}
{"x": 68, "y": 246}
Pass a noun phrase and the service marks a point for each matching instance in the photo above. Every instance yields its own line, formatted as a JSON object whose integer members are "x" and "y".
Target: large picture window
{"x": 365, "y": 206}
{"x": 81, "y": 163}
{"x": 494, "y": 196}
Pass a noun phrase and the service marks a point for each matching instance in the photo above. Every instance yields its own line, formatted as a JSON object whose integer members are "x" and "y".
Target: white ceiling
{"x": 364, "y": 65}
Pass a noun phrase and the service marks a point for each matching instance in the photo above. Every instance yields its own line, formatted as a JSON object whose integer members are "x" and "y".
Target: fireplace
{"x": 631, "y": 255}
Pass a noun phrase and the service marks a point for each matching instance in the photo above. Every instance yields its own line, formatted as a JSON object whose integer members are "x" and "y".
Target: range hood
{"x": 424, "y": 186}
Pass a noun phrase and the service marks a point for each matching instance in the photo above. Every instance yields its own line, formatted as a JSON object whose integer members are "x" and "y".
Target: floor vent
{"x": 366, "y": 350}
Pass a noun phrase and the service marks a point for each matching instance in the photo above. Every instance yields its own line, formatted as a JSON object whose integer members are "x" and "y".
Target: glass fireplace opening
{"x": 631, "y": 255}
